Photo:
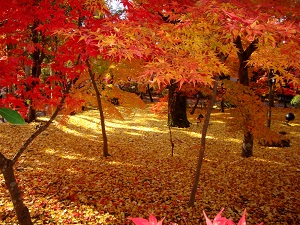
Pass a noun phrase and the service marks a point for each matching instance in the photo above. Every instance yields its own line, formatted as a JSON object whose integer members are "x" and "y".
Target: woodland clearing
{"x": 66, "y": 180}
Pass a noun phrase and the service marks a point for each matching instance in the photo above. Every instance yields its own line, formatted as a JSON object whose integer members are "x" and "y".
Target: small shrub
{"x": 296, "y": 101}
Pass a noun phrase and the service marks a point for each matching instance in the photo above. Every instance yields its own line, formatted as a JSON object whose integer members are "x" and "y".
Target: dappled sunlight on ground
{"x": 66, "y": 180}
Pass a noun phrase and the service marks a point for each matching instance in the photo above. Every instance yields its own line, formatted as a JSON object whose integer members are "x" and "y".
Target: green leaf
{"x": 12, "y": 116}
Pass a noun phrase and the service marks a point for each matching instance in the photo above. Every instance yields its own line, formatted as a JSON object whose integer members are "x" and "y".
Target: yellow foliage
{"x": 250, "y": 113}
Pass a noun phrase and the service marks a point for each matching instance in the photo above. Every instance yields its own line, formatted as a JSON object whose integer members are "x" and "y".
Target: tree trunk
{"x": 271, "y": 84}
{"x": 102, "y": 120}
{"x": 6, "y": 167}
{"x": 222, "y": 105}
{"x": 202, "y": 146}
{"x": 243, "y": 73}
{"x": 21, "y": 210}
{"x": 196, "y": 104}
{"x": 177, "y": 116}
{"x": 149, "y": 92}
{"x": 247, "y": 148}
{"x": 31, "y": 114}
{"x": 244, "y": 56}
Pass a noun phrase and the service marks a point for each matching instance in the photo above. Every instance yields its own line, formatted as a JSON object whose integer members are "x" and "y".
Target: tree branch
{"x": 239, "y": 45}
{"x": 44, "y": 127}
{"x": 251, "y": 48}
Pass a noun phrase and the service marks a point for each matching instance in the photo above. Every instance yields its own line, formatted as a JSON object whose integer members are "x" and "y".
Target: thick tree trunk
{"x": 247, "y": 148}
{"x": 21, "y": 210}
{"x": 31, "y": 114}
{"x": 177, "y": 116}
{"x": 102, "y": 119}
{"x": 244, "y": 56}
{"x": 202, "y": 146}
{"x": 243, "y": 73}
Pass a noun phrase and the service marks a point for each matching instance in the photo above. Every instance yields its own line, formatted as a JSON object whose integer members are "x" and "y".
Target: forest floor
{"x": 66, "y": 180}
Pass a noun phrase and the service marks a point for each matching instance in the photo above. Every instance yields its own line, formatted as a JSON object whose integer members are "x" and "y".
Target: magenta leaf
{"x": 208, "y": 222}
{"x": 243, "y": 219}
{"x": 152, "y": 221}
{"x": 139, "y": 221}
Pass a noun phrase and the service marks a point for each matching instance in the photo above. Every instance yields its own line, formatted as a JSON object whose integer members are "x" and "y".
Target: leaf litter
{"x": 66, "y": 180}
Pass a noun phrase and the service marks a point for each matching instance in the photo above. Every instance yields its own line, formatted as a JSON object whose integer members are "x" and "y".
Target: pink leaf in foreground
{"x": 243, "y": 219}
{"x": 152, "y": 221}
{"x": 208, "y": 222}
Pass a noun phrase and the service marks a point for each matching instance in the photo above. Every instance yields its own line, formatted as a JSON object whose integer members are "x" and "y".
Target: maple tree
{"x": 63, "y": 43}
{"x": 190, "y": 49}
{"x": 223, "y": 29}
{"x": 190, "y": 58}
{"x": 66, "y": 37}
{"x": 26, "y": 41}
{"x": 267, "y": 32}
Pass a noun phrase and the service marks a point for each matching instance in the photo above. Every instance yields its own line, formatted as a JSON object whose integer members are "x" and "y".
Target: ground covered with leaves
{"x": 66, "y": 180}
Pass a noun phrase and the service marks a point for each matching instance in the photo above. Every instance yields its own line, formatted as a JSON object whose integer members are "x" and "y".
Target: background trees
{"x": 234, "y": 37}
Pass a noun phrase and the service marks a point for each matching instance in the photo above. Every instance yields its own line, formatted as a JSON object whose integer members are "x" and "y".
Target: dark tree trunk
{"x": 247, "y": 148}
{"x": 102, "y": 119}
{"x": 31, "y": 114}
{"x": 177, "y": 116}
{"x": 21, "y": 210}
{"x": 244, "y": 56}
{"x": 196, "y": 104}
{"x": 222, "y": 105}
{"x": 271, "y": 85}
{"x": 284, "y": 101}
{"x": 149, "y": 92}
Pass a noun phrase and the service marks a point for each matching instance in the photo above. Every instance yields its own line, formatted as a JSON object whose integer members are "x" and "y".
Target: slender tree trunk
{"x": 177, "y": 116}
{"x": 171, "y": 141}
{"x": 247, "y": 148}
{"x": 6, "y": 166}
{"x": 271, "y": 102}
{"x": 102, "y": 120}
{"x": 269, "y": 116}
{"x": 149, "y": 92}
{"x": 21, "y": 210}
{"x": 284, "y": 99}
{"x": 196, "y": 104}
{"x": 202, "y": 146}
{"x": 222, "y": 105}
